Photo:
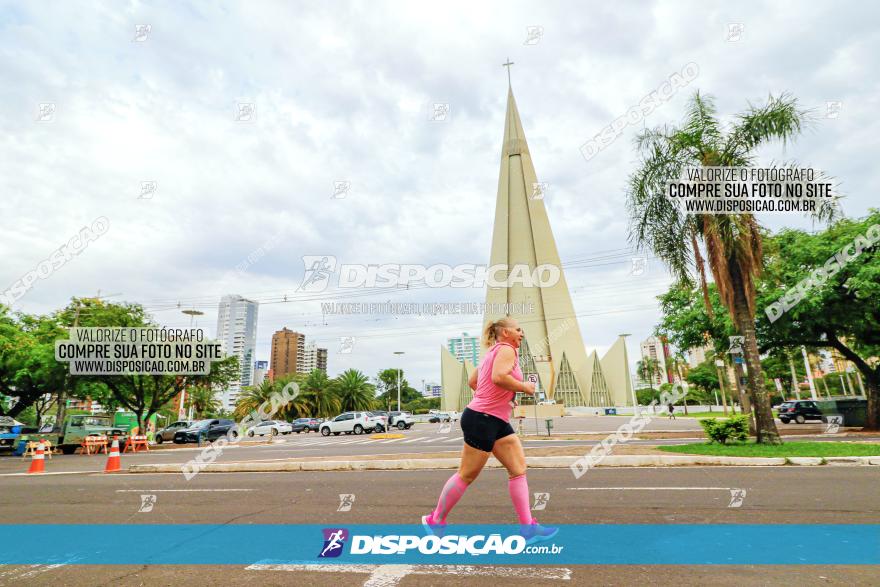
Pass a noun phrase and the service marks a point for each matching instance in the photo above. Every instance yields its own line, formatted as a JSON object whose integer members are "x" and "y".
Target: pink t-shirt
{"x": 490, "y": 398}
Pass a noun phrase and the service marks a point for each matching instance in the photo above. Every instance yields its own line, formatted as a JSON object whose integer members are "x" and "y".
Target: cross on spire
{"x": 507, "y": 65}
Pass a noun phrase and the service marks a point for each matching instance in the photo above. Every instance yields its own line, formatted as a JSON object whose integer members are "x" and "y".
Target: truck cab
{"x": 77, "y": 427}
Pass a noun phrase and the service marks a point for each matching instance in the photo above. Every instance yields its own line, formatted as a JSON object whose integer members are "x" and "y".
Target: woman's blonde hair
{"x": 493, "y": 329}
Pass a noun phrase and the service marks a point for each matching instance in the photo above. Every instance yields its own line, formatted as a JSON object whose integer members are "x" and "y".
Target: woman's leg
{"x": 472, "y": 462}
{"x": 510, "y": 453}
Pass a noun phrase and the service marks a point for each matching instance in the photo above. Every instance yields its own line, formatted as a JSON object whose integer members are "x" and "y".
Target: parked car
{"x": 799, "y": 411}
{"x": 305, "y": 425}
{"x": 208, "y": 430}
{"x": 350, "y": 423}
{"x": 400, "y": 420}
{"x": 381, "y": 421}
{"x": 441, "y": 417}
{"x": 273, "y": 427}
{"x": 169, "y": 431}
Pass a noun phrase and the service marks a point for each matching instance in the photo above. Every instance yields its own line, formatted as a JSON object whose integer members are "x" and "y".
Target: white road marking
{"x": 650, "y": 488}
{"x": 47, "y": 473}
{"x": 390, "y": 575}
{"x": 176, "y": 490}
{"x": 25, "y": 571}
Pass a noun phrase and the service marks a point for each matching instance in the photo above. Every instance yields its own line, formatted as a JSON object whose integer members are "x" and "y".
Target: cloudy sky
{"x": 100, "y": 99}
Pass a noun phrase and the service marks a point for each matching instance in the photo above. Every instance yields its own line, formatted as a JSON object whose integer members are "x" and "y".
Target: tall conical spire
{"x": 522, "y": 236}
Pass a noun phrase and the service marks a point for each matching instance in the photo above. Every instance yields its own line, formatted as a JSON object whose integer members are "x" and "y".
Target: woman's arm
{"x": 472, "y": 380}
{"x": 501, "y": 368}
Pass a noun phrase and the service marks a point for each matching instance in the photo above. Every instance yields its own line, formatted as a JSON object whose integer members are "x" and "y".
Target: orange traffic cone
{"x": 114, "y": 463}
{"x": 38, "y": 462}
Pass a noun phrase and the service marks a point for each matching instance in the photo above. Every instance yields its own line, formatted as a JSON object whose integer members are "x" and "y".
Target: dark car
{"x": 169, "y": 431}
{"x": 799, "y": 411}
{"x": 305, "y": 425}
{"x": 208, "y": 430}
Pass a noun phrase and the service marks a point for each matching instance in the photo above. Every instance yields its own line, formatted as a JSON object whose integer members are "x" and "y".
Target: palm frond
{"x": 778, "y": 119}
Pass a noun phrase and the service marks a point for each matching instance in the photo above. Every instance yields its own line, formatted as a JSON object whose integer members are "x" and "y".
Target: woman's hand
{"x": 528, "y": 387}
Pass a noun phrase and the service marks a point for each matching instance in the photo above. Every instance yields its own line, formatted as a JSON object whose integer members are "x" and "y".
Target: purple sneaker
{"x": 535, "y": 532}
{"x": 431, "y": 527}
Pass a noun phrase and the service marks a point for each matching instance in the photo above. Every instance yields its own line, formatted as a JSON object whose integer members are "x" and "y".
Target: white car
{"x": 273, "y": 427}
{"x": 350, "y": 423}
{"x": 380, "y": 422}
{"x": 401, "y": 420}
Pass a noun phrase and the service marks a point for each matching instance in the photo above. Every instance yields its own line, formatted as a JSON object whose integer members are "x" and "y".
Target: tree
{"x": 838, "y": 308}
{"x": 203, "y": 400}
{"x": 732, "y": 242}
{"x": 354, "y": 390}
{"x": 28, "y": 369}
{"x": 252, "y": 397}
{"x": 387, "y": 386}
{"x": 647, "y": 369}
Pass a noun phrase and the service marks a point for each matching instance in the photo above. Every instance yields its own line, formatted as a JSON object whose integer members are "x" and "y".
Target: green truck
{"x": 77, "y": 427}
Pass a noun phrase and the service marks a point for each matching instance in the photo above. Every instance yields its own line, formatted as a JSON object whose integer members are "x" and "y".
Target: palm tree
{"x": 647, "y": 369}
{"x": 354, "y": 390}
{"x": 252, "y": 397}
{"x": 316, "y": 397}
{"x": 203, "y": 401}
{"x": 732, "y": 241}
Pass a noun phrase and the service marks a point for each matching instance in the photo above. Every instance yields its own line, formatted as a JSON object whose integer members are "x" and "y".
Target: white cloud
{"x": 343, "y": 92}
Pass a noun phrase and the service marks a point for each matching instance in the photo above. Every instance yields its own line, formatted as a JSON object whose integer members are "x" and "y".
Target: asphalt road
{"x": 778, "y": 495}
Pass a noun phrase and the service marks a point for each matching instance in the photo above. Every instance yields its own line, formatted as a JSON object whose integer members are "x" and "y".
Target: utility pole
{"x": 398, "y": 383}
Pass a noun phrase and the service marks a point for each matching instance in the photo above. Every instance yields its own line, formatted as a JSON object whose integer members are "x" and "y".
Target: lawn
{"x": 789, "y": 449}
{"x": 680, "y": 414}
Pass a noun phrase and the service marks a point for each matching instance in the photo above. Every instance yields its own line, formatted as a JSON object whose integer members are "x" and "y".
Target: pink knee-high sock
{"x": 519, "y": 495}
{"x": 452, "y": 492}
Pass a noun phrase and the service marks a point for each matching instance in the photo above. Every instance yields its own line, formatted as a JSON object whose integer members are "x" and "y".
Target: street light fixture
{"x": 398, "y": 381}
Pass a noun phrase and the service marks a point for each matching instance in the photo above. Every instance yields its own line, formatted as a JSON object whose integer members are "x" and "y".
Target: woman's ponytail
{"x": 493, "y": 329}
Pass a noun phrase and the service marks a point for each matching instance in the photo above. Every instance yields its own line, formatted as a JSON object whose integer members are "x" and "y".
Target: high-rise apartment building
{"x": 237, "y": 336}
{"x": 464, "y": 347}
{"x": 658, "y": 350}
{"x": 288, "y": 353}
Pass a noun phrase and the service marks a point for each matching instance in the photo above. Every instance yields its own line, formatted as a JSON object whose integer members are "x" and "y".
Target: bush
{"x": 721, "y": 431}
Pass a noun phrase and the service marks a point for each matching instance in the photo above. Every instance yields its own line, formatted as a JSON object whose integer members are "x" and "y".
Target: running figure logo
{"x": 334, "y": 541}
{"x": 737, "y": 496}
{"x": 318, "y": 269}
{"x": 346, "y": 500}
{"x": 147, "y": 503}
{"x": 541, "y": 500}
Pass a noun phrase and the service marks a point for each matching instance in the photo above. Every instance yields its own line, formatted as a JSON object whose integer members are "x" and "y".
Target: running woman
{"x": 485, "y": 423}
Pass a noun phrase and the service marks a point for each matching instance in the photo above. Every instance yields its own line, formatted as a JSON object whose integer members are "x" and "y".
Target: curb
{"x": 535, "y": 462}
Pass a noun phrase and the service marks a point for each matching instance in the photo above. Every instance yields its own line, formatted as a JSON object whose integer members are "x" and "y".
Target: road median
{"x": 406, "y": 462}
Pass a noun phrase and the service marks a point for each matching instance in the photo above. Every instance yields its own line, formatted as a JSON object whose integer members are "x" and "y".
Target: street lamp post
{"x": 181, "y": 414}
{"x": 398, "y": 381}
{"x": 632, "y": 387}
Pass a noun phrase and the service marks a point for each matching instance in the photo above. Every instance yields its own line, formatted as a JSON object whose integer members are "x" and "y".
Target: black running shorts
{"x": 482, "y": 430}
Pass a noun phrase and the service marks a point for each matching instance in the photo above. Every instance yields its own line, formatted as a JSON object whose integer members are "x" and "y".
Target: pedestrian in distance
{"x": 485, "y": 424}
{"x": 671, "y": 412}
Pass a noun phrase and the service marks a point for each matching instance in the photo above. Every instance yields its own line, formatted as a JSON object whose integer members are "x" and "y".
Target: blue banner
{"x": 597, "y": 544}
